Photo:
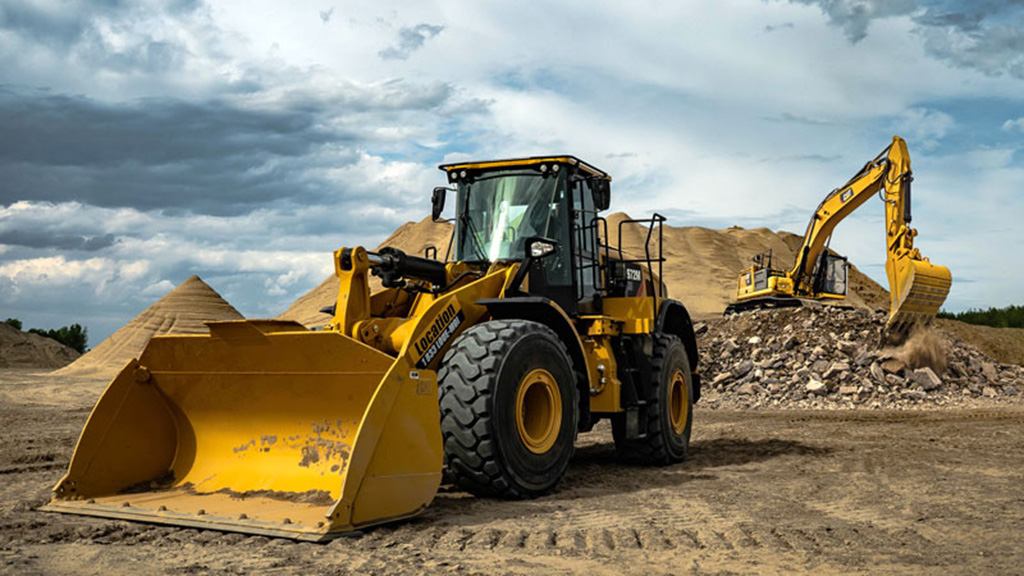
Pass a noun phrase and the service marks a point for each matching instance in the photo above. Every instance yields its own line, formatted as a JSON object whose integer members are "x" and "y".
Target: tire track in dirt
{"x": 763, "y": 493}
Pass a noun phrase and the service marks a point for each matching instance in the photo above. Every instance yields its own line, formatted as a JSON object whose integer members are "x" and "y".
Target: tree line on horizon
{"x": 1008, "y": 317}
{"x": 75, "y": 336}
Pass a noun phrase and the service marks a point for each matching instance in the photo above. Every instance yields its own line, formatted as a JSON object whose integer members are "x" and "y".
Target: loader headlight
{"x": 541, "y": 248}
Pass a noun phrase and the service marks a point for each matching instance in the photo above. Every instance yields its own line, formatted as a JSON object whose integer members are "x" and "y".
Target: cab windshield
{"x": 498, "y": 211}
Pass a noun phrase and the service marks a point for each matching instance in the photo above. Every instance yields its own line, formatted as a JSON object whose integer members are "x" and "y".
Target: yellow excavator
{"x": 486, "y": 366}
{"x": 917, "y": 288}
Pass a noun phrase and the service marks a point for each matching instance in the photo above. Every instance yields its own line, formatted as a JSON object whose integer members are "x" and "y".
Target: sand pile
{"x": 23, "y": 350}
{"x": 411, "y": 237}
{"x": 181, "y": 311}
{"x": 1004, "y": 344}
{"x": 702, "y": 265}
{"x": 701, "y": 268}
{"x": 827, "y": 357}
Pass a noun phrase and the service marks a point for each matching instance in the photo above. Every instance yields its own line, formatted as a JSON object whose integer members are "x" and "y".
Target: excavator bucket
{"x": 261, "y": 427}
{"x": 918, "y": 290}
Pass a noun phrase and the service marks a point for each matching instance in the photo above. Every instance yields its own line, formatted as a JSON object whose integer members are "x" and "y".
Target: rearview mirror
{"x": 437, "y": 202}
{"x": 540, "y": 247}
{"x": 602, "y": 192}
{"x": 537, "y": 247}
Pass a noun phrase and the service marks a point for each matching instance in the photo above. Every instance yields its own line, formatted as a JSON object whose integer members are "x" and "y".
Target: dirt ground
{"x": 765, "y": 492}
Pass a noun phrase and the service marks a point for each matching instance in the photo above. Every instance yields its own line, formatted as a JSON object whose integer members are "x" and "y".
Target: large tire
{"x": 667, "y": 416}
{"x": 508, "y": 409}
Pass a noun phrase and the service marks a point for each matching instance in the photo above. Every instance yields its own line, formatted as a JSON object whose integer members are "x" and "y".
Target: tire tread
{"x": 465, "y": 378}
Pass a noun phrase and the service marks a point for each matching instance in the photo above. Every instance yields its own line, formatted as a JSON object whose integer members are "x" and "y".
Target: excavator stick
{"x": 917, "y": 290}
{"x": 262, "y": 427}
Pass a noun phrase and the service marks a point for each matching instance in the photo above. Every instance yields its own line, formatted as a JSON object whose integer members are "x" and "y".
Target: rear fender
{"x": 673, "y": 318}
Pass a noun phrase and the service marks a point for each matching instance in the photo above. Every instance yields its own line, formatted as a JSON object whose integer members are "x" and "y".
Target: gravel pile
{"x": 829, "y": 357}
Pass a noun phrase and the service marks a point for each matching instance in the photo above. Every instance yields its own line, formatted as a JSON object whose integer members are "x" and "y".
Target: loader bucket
{"x": 261, "y": 427}
{"x": 918, "y": 290}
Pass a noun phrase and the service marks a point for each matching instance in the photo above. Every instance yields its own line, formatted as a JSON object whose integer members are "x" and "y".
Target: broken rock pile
{"x": 830, "y": 357}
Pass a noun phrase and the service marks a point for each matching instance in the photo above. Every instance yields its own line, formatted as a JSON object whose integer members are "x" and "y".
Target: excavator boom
{"x": 917, "y": 287}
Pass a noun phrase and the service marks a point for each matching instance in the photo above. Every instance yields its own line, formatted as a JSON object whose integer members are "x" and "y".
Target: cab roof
{"x": 530, "y": 161}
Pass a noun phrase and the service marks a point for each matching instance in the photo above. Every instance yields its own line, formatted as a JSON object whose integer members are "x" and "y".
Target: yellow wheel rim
{"x": 538, "y": 411}
{"x": 678, "y": 402}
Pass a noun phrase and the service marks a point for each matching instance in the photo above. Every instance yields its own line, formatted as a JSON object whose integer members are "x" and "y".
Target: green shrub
{"x": 74, "y": 336}
{"x": 13, "y": 322}
{"x": 1008, "y": 317}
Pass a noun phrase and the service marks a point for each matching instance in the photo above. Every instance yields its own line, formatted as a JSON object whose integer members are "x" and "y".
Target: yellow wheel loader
{"x": 488, "y": 364}
{"x": 917, "y": 288}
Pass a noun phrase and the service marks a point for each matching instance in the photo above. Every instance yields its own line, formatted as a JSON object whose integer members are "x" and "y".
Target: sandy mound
{"x": 181, "y": 311}
{"x": 702, "y": 265}
{"x": 701, "y": 268}
{"x": 411, "y": 237}
{"x": 1003, "y": 344}
{"x": 23, "y": 350}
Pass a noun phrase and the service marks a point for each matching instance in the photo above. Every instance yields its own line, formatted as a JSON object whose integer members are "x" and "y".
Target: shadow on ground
{"x": 596, "y": 472}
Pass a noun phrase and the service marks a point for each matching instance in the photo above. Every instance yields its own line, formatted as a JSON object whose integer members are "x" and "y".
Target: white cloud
{"x": 924, "y": 127}
{"x": 987, "y": 159}
{"x": 691, "y": 106}
{"x": 157, "y": 290}
{"x": 27, "y": 274}
{"x": 1011, "y": 125}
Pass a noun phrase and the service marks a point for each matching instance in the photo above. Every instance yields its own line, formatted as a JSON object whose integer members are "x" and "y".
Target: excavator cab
{"x": 830, "y": 275}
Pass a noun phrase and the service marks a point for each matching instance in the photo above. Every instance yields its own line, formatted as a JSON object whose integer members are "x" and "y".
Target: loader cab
{"x": 500, "y": 204}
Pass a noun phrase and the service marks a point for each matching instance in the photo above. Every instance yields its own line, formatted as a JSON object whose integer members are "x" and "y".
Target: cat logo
{"x": 440, "y": 332}
{"x": 846, "y": 195}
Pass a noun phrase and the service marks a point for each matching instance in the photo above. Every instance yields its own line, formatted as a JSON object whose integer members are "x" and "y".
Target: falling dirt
{"x": 925, "y": 349}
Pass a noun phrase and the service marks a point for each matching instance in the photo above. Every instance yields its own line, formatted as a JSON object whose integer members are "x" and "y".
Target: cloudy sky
{"x": 142, "y": 142}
